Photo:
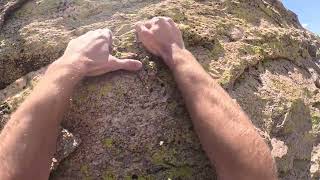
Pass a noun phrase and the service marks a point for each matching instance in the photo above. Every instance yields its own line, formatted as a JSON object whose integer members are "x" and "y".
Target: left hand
{"x": 90, "y": 55}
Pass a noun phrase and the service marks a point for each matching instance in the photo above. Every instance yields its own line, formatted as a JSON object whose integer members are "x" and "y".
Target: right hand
{"x": 161, "y": 37}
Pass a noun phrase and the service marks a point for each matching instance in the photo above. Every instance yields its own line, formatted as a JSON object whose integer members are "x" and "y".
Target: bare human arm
{"x": 226, "y": 134}
{"x": 27, "y": 143}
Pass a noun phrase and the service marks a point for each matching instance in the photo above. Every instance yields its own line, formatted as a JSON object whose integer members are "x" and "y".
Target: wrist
{"x": 67, "y": 67}
{"x": 178, "y": 57}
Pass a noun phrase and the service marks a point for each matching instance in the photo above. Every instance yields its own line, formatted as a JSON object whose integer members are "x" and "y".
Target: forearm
{"x": 28, "y": 141}
{"x": 227, "y": 135}
{"x": 29, "y": 138}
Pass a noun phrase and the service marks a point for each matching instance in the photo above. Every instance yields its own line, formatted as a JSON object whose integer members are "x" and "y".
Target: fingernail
{"x": 138, "y": 65}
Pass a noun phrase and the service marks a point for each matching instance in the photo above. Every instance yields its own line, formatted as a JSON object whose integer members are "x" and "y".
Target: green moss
{"x": 167, "y": 158}
{"x": 108, "y": 175}
{"x": 106, "y": 89}
{"x": 257, "y": 50}
{"x": 107, "y": 143}
{"x": 315, "y": 118}
{"x": 308, "y": 137}
{"x": 97, "y": 90}
{"x": 158, "y": 158}
{"x": 284, "y": 46}
{"x": 84, "y": 169}
{"x": 191, "y": 36}
{"x": 240, "y": 11}
{"x": 206, "y": 67}
{"x": 127, "y": 43}
{"x": 123, "y": 55}
{"x": 252, "y": 50}
{"x": 172, "y": 105}
{"x": 272, "y": 45}
{"x": 180, "y": 172}
{"x": 146, "y": 177}
{"x": 5, "y": 108}
{"x": 164, "y": 157}
{"x": 47, "y": 6}
{"x": 175, "y": 13}
{"x": 251, "y": 15}
{"x": 318, "y": 53}
{"x": 118, "y": 54}
{"x": 290, "y": 90}
{"x": 166, "y": 76}
{"x": 306, "y": 92}
{"x": 194, "y": 37}
{"x": 2, "y": 40}
{"x": 119, "y": 92}
{"x": 217, "y": 50}
{"x": 223, "y": 27}
{"x": 190, "y": 137}
{"x": 225, "y": 79}
{"x": 140, "y": 177}
{"x": 15, "y": 102}
{"x": 81, "y": 98}
{"x": 92, "y": 88}
{"x": 152, "y": 65}
{"x": 268, "y": 10}
{"x": 230, "y": 75}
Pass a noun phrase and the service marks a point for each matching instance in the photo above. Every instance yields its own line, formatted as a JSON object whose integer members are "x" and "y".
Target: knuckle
{"x": 107, "y": 30}
{"x": 101, "y": 42}
{"x": 110, "y": 33}
{"x": 107, "y": 33}
{"x": 101, "y": 36}
{"x": 161, "y": 19}
{"x": 138, "y": 24}
{"x": 155, "y": 18}
{"x": 169, "y": 19}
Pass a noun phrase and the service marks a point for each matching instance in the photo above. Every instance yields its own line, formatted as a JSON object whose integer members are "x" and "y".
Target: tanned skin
{"x": 226, "y": 133}
{"x": 27, "y": 142}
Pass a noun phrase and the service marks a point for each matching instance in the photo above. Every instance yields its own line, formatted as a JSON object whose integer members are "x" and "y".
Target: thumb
{"x": 125, "y": 64}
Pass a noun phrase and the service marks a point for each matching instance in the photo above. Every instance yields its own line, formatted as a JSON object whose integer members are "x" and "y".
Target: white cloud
{"x": 305, "y": 25}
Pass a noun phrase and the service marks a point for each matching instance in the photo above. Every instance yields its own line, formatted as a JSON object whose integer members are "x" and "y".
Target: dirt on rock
{"x": 135, "y": 125}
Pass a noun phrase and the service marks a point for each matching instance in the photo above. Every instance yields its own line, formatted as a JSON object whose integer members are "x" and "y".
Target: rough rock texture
{"x": 135, "y": 125}
{"x": 7, "y": 7}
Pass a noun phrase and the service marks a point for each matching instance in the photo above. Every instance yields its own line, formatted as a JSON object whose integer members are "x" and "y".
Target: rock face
{"x": 135, "y": 125}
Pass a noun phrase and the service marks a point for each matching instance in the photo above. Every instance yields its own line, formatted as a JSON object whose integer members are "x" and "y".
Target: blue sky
{"x": 308, "y": 12}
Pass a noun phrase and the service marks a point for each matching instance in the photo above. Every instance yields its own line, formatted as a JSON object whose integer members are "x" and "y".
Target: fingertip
{"x": 107, "y": 31}
{"x": 137, "y": 26}
{"x": 143, "y": 27}
{"x": 125, "y": 64}
{"x": 139, "y": 65}
{"x": 134, "y": 65}
{"x": 148, "y": 25}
